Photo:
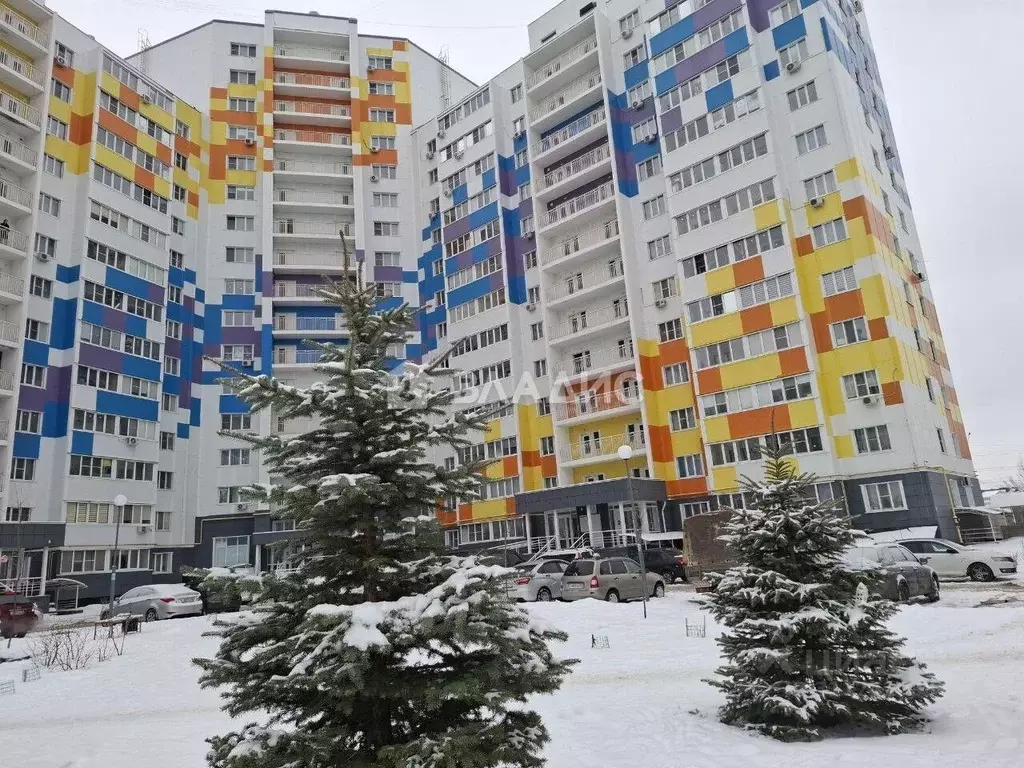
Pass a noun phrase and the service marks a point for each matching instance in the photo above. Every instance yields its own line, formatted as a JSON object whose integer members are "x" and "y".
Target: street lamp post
{"x": 626, "y": 453}
{"x": 119, "y": 502}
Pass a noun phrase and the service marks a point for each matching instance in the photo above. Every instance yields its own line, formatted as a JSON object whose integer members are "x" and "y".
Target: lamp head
{"x": 120, "y": 500}
{"x": 625, "y": 452}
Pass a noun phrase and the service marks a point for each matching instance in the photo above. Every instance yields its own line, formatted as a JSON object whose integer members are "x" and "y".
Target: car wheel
{"x": 543, "y": 595}
{"x": 903, "y": 591}
{"x": 668, "y": 577}
{"x": 933, "y": 596}
{"x": 612, "y": 596}
{"x": 152, "y": 615}
{"x": 659, "y": 590}
{"x": 980, "y": 572}
{"x": 104, "y": 614}
{"x": 20, "y": 635}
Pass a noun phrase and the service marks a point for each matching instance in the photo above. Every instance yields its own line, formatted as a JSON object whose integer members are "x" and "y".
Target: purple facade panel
{"x": 99, "y": 357}
{"x": 239, "y": 336}
{"x": 456, "y": 229}
{"x": 700, "y": 61}
{"x": 672, "y": 120}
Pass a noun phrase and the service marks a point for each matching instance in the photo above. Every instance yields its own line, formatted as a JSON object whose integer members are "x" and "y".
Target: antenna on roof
{"x": 446, "y": 79}
{"x": 144, "y": 51}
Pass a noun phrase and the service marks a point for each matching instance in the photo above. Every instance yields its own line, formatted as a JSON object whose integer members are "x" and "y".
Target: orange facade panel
{"x": 186, "y": 147}
{"x": 892, "y": 393}
{"x": 677, "y": 351}
{"x": 822, "y": 334}
{"x": 218, "y": 93}
{"x": 218, "y": 162}
{"x": 65, "y": 74}
{"x": 403, "y": 114}
{"x": 145, "y": 179}
{"x": 234, "y": 118}
{"x": 193, "y": 198}
{"x": 510, "y": 506}
{"x": 530, "y": 459}
{"x": 548, "y": 466}
{"x": 118, "y": 127}
{"x": 804, "y": 245}
{"x": 80, "y": 129}
{"x": 793, "y": 361}
{"x": 761, "y": 421}
{"x": 844, "y": 306}
{"x": 510, "y": 466}
{"x": 650, "y": 370}
{"x": 384, "y": 156}
{"x": 757, "y": 318}
{"x": 399, "y": 45}
{"x": 164, "y": 153}
{"x": 690, "y": 486}
{"x": 877, "y": 328}
{"x": 748, "y": 271}
{"x": 709, "y": 380}
{"x": 129, "y": 97}
{"x": 661, "y": 442}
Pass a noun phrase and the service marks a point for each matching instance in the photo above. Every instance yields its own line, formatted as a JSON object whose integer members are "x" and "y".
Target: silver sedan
{"x": 159, "y": 601}
{"x": 540, "y": 580}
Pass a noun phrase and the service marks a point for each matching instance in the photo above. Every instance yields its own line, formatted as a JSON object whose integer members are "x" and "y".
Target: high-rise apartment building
{"x": 678, "y": 227}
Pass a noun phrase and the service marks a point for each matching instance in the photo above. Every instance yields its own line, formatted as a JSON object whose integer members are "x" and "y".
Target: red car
{"x": 18, "y": 616}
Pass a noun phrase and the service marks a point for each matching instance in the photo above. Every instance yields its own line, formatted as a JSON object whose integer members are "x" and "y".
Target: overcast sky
{"x": 953, "y": 95}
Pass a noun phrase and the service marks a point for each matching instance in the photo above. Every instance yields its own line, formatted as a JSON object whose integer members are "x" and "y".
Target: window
{"x": 37, "y": 330}
{"x": 169, "y": 402}
{"x": 828, "y": 233}
{"x": 176, "y": 259}
{"x": 872, "y": 439}
{"x": 639, "y": 93}
{"x": 234, "y": 105}
{"x": 162, "y": 561}
{"x": 237, "y": 255}
{"x": 793, "y": 53}
{"x": 28, "y": 421}
{"x": 808, "y": 141}
{"x": 241, "y": 223}
{"x": 861, "y": 384}
{"x": 33, "y": 375}
{"x": 237, "y": 318}
{"x": 670, "y": 330}
{"x": 46, "y": 245}
{"x": 540, "y": 368}
{"x": 684, "y": 418}
{"x": 381, "y": 89}
{"x": 164, "y": 480}
{"x": 242, "y": 132}
{"x": 55, "y": 127}
{"x": 666, "y": 288}
{"x": 236, "y": 352}
{"x": 63, "y": 54}
{"x": 677, "y": 373}
{"x": 40, "y": 286}
{"x": 18, "y": 515}
{"x": 243, "y": 49}
{"x": 23, "y": 469}
{"x": 243, "y": 76}
{"x": 659, "y": 248}
{"x": 382, "y": 142}
{"x": 802, "y": 96}
{"x": 236, "y": 421}
{"x": 930, "y": 387}
{"x": 379, "y": 62}
{"x": 128, "y": 188}
{"x": 547, "y": 446}
{"x": 385, "y": 228}
{"x": 83, "y": 560}
{"x": 690, "y": 466}
{"x": 179, "y": 193}
{"x": 384, "y": 171}
{"x": 241, "y": 163}
{"x": 942, "y": 439}
{"x": 385, "y": 199}
{"x": 236, "y": 192}
{"x": 648, "y": 168}
{"x": 53, "y": 166}
{"x": 716, "y": 210}
{"x": 229, "y": 551}
{"x": 654, "y": 207}
{"x": 630, "y": 21}
{"x": 167, "y": 441}
{"x": 635, "y": 55}
{"x": 784, "y": 12}
{"x": 840, "y": 281}
{"x": 537, "y": 331}
{"x": 884, "y": 497}
{"x": 382, "y": 115}
{"x": 820, "y": 185}
{"x": 515, "y": 93}
{"x": 849, "y": 332}
{"x": 903, "y": 220}
{"x": 234, "y": 457}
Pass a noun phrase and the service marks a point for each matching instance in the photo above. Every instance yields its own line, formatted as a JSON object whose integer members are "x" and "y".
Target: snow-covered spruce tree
{"x": 379, "y": 651}
{"x": 804, "y": 649}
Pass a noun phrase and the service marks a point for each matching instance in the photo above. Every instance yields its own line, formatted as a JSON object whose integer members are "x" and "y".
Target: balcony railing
{"x": 570, "y": 92}
{"x": 577, "y": 165}
{"x": 24, "y": 68}
{"x": 578, "y": 204}
{"x": 311, "y": 166}
{"x": 321, "y": 324}
{"x": 310, "y": 52}
{"x": 317, "y": 228}
{"x": 24, "y": 27}
{"x": 589, "y": 360}
{"x": 311, "y": 196}
{"x": 297, "y": 426}
{"x": 602, "y": 446}
{"x": 574, "y": 128}
{"x": 591, "y": 318}
{"x": 297, "y": 290}
{"x": 313, "y": 137}
{"x": 312, "y": 108}
{"x": 12, "y": 147}
{"x": 583, "y": 240}
{"x": 18, "y": 108}
{"x": 15, "y": 194}
{"x": 592, "y": 403}
{"x": 319, "y": 259}
{"x": 6, "y": 381}
{"x": 12, "y": 284}
{"x": 5, "y": 429}
{"x": 306, "y": 78}
{"x": 11, "y": 238}
{"x": 555, "y": 66}
{"x": 9, "y": 333}
{"x": 581, "y": 281}
{"x": 293, "y": 356}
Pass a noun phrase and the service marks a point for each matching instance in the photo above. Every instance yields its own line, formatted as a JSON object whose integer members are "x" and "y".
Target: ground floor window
{"x": 884, "y": 497}
{"x": 229, "y": 551}
{"x": 83, "y": 561}
{"x": 494, "y": 530}
{"x": 163, "y": 562}
{"x": 133, "y": 560}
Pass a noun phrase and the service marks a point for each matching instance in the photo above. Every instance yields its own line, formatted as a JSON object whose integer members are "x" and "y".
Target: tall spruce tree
{"x": 379, "y": 651}
{"x": 805, "y": 644}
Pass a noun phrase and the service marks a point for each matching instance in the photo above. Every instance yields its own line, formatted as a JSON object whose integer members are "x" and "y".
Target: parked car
{"x": 613, "y": 579}
{"x": 537, "y": 581}
{"x": 158, "y": 601}
{"x": 952, "y": 560}
{"x": 905, "y": 577}
{"x": 668, "y": 562}
{"x": 18, "y": 616}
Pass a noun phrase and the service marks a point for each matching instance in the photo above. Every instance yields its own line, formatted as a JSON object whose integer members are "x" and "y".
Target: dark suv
{"x": 667, "y": 562}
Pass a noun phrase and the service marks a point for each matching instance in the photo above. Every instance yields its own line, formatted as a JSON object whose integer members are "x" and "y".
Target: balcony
{"x": 10, "y": 334}
{"x": 587, "y": 244}
{"x": 585, "y": 284}
{"x": 591, "y": 405}
{"x": 297, "y": 426}
{"x": 565, "y": 102}
{"x": 603, "y": 448}
{"x": 312, "y": 112}
{"x": 292, "y": 169}
{"x": 293, "y": 356}
{"x": 300, "y": 293}
{"x": 309, "y": 84}
{"x": 321, "y": 262}
{"x": 313, "y": 141}
{"x": 310, "y": 200}
{"x": 578, "y": 171}
{"x": 20, "y": 74}
{"x": 16, "y": 156}
{"x": 12, "y": 288}
{"x": 6, "y": 383}
{"x": 561, "y": 66}
{"x": 589, "y": 362}
{"x": 591, "y": 201}
{"x": 287, "y": 54}
{"x": 578, "y": 133}
{"x": 588, "y": 322}
{"x": 291, "y": 326}
{"x": 13, "y": 243}
{"x": 18, "y": 29}
{"x": 14, "y": 199}
{"x": 5, "y": 431}
{"x": 314, "y": 230}
{"x": 19, "y": 111}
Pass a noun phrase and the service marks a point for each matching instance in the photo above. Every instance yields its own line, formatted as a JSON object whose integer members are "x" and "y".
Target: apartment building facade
{"x": 677, "y": 227}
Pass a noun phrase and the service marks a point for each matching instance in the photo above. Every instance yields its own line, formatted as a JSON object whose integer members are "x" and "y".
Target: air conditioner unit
{"x": 250, "y": 142}
{"x": 42, "y": 255}
{"x": 242, "y": 506}
{"x": 142, "y": 529}
{"x": 529, "y": 235}
{"x": 59, "y": 60}
{"x": 793, "y": 66}
{"x": 817, "y": 202}
{"x": 919, "y": 275}
{"x": 430, "y": 155}
{"x": 652, "y": 138}
{"x": 447, "y": 191}
{"x": 246, "y": 364}
{"x": 132, "y": 440}
{"x": 871, "y": 400}
{"x": 374, "y": 150}
{"x": 440, "y": 133}
{"x": 661, "y": 303}
{"x": 531, "y": 307}
{"x": 519, "y": 134}
{"x": 370, "y": 70}
{"x": 638, "y": 103}
{"x": 857, "y": 7}
{"x": 434, "y": 215}
{"x": 458, "y": 154}
{"x": 146, "y": 98}
{"x": 373, "y": 177}
{"x": 627, "y": 33}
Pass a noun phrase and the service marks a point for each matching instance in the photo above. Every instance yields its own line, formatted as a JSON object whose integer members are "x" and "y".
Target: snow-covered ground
{"x": 639, "y": 702}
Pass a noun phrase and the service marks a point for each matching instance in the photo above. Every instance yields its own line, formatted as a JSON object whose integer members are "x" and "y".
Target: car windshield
{"x": 580, "y": 568}
{"x": 953, "y": 544}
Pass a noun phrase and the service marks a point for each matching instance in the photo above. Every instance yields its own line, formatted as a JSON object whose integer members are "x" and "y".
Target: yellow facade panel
{"x": 161, "y": 117}
{"x": 803, "y": 414}
{"x": 724, "y": 480}
{"x": 716, "y": 428}
{"x": 115, "y": 162}
{"x": 243, "y": 91}
{"x": 146, "y": 143}
{"x": 873, "y": 292}
{"x": 844, "y": 446}
{"x": 242, "y": 178}
{"x": 767, "y": 215}
{"x": 717, "y": 329}
{"x": 60, "y": 109}
{"x": 746, "y": 372}
{"x": 847, "y": 170}
{"x": 488, "y": 510}
{"x": 720, "y": 280}
{"x": 785, "y": 311}
{"x": 832, "y": 209}
{"x": 686, "y": 443}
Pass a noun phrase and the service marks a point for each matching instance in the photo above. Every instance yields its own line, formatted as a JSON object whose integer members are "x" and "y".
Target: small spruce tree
{"x": 379, "y": 651}
{"x": 805, "y": 644}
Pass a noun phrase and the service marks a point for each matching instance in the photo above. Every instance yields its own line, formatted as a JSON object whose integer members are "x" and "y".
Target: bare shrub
{"x": 64, "y": 648}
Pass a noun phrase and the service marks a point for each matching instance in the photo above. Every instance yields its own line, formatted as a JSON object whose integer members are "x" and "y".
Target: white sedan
{"x": 951, "y": 560}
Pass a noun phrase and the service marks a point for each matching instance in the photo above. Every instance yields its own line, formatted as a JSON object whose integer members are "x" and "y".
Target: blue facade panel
{"x": 130, "y": 284}
{"x": 81, "y": 443}
{"x": 126, "y": 405}
{"x": 232, "y": 301}
{"x": 25, "y": 446}
{"x": 141, "y": 367}
{"x": 719, "y": 96}
{"x": 771, "y": 70}
{"x": 68, "y": 274}
{"x": 482, "y": 216}
{"x": 489, "y": 179}
{"x": 232, "y": 404}
{"x": 62, "y": 324}
{"x": 678, "y": 32}
{"x": 789, "y": 32}
{"x": 183, "y": 431}
{"x": 736, "y": 41}
{"x": 665, "y": 81}
{"x": 473, "y": 290}
{"x": 35, "y": 352}
{"x": 637, "y": 74}
{"x": 460, "y": 194}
